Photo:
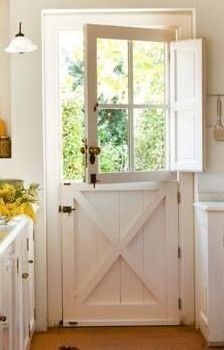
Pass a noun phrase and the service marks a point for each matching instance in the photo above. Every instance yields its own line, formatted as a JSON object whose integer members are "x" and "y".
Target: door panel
{"x": 186, "y": 105}
{"x": 120, "y": 261}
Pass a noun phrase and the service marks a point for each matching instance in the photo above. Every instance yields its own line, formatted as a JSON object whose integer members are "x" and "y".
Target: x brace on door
{"x": 119, "y": 249}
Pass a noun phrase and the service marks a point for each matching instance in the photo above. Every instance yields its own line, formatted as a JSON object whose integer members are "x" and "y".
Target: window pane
{"x": 112, "y": 71}
{"x": 113, "y": 140}
{"x": 72, "y": 102}
{"x": 149, "y": 139}
{"x": 149, "y": 72}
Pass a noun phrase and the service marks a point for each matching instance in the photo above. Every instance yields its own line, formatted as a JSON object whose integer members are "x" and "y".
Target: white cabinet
{"x": 31, "y": 280}
{"x": 210, "y": 270}
{"x": 17, "y": 287}
{"x": 27, "y": 273}
{"x": 6, "y": 301}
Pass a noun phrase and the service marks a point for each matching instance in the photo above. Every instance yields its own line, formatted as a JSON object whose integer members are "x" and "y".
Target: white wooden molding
{"x": 186, "y": 237}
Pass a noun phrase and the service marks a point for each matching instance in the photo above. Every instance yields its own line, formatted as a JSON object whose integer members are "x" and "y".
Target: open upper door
{"x": 179, "y": 112}
{"x": 186, "y": 105}
{"x": 123, "y": 103}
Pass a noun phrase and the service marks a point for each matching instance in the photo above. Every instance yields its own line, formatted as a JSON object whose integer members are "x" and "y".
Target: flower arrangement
{"x": 17, "y": 200}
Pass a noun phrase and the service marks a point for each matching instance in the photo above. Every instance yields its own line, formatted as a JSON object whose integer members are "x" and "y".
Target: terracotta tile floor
{"x": 121, "y": 338}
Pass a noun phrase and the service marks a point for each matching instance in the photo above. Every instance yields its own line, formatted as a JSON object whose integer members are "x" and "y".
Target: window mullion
{"x": 128, "y": 105}
{"x": 130, "y": 109}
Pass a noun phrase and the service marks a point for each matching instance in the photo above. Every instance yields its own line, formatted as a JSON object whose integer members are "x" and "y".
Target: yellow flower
{"x": 7, "y": 192}
{"x": 27, "y": 209}
{"x": 18, "y": 200}
{"x": 3, "y": 210}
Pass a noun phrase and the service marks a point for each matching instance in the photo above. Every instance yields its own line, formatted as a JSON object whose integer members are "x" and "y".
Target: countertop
{"x": 210, "y": 205}
{"x": 9, "y": 231}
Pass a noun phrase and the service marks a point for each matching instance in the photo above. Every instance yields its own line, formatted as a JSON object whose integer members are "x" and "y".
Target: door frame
{"x": 52, "y": 162}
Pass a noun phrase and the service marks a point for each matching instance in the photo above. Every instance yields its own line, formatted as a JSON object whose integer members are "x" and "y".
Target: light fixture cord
{"x": 20, "y": 30}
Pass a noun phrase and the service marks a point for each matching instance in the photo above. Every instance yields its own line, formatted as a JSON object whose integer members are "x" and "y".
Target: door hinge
{"x": 65, "y": 347}
{"x": 179, "y": 304}
{"x": 35, "y": 314}
{"x": 65, "y": 209}
{"x": 179, "y": 252}
{"x": 178, "y": 197}
{"x": 29, "y": 331}
{"x": 27, "y": 244}
{"x": 73, "y": 323}
{"x": 33, "y": 235}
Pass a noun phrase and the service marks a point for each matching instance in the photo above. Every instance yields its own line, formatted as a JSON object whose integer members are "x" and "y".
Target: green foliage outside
{"x": 113, "y": 124}
{"x": 73, "y": 133}
{"x": 113, "y": 140}
{"x": 150, "y": 140}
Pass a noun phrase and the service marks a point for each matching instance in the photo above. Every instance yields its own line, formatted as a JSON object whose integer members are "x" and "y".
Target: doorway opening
{"x": 117, "y": 207}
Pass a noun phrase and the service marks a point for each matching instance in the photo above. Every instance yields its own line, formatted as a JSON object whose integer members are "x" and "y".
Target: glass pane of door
{"x": 71, "y": 65}
{"x": 149, "y": 139}
{"x": 148, "y": 72}
{"x": 112, "y": 71}
{"x": 113, "y": 140}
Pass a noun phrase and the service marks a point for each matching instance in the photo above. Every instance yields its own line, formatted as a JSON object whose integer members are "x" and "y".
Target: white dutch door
{"x": 119, "y": 208}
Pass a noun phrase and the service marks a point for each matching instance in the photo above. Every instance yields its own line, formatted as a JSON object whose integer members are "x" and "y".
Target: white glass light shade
{"x": 21, "y": 44}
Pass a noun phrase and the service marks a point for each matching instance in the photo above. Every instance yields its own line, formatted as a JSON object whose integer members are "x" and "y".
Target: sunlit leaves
{"x": 73, "y": 133}
{"x": 113, "y": 139}
{"x": 149, "y": 72}
{"x": 112, "y": 70}
{"x": 150, "y": 139}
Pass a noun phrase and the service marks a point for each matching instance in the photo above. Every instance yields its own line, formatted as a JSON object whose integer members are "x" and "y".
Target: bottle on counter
{"x": 2, "y": 128}
{"x": 5, "y": 141}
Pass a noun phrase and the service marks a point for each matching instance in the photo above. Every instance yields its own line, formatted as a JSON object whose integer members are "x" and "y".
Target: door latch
{"x": 66, "y": 209}
{"x": 93, "y": 179}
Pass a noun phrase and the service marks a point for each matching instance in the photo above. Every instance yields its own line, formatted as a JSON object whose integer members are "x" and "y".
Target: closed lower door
{"x": 120, "y": 255}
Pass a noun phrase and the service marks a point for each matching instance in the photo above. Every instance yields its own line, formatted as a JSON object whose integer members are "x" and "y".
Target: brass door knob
{"x": 25, "y": 275}
{"x": 95, "y": 150}
{"x": 3, "y": 318}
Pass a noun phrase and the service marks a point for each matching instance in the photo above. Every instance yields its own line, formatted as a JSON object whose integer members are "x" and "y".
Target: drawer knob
{"x": 30, "y": 261}
{"x": 25, "y": 275}
{"x": 3, "y": 318}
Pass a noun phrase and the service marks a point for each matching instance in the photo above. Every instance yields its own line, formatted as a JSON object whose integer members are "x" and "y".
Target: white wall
{"x": 26, "y": 91}
{"x": 4, "y": 63}
{"x": 210, "y": 26}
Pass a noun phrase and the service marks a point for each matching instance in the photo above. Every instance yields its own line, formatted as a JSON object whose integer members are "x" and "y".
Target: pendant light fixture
{"x": 20, "y": 44}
